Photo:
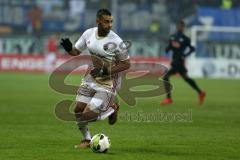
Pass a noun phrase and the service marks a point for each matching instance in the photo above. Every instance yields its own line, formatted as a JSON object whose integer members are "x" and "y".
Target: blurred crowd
{"x": 134, "y": 19}
{"x": 44, "y": 16}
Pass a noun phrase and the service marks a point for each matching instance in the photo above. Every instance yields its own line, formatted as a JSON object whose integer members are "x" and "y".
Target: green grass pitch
{"x": 30, "y": 130}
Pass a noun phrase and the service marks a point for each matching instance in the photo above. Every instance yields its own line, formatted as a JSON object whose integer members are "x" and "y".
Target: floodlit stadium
{"x": 119, "y": 79}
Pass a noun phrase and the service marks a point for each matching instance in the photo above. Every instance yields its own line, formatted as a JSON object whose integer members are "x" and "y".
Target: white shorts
{"x": 98, "y": 99}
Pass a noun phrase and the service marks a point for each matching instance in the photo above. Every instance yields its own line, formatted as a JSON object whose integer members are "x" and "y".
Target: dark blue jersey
{"x": 181, "y": 47}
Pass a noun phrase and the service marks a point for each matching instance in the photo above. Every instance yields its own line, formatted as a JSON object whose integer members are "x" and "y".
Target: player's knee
{"x": 185, "y": 78}
{"x": 87, "y": 115}
{"x": 79, "y": 108}
{"x": 80, "y": 116}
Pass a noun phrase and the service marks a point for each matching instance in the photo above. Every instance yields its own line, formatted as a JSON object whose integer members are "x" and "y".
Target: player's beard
{"x": 107, "y": 31}
{"x": 103, "y": 31}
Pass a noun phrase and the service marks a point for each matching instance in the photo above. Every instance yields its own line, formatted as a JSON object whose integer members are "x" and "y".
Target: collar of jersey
{"x": 98, "y": 37}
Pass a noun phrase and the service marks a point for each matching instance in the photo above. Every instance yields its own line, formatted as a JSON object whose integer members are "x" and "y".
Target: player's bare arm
{"x": 103, "y": 67}
{"x": 121, "y": 66}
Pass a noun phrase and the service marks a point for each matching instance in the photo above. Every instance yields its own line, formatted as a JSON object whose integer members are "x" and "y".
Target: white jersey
{"x": 108, "y": 49}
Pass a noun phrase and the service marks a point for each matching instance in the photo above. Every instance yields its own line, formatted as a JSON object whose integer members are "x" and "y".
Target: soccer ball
{"x": 100, "y": 143}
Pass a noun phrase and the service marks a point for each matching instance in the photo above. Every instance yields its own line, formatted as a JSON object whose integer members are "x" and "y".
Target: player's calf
{"x": 82, "y": 121}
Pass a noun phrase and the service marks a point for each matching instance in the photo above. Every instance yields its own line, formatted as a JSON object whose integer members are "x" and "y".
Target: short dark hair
{"x": 181, "y": 22}
{"x": 102, "y": 12}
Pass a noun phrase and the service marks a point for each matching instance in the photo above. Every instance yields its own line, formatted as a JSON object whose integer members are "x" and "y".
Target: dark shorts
{"x": 178, "y": 68}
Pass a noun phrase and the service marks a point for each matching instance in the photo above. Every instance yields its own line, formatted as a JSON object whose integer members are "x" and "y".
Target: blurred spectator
{"x": 76, "y": 7}
{"x": 35, "y": 17}
{"x": 50, "y": 56}
{"x": 154, "y": 27}
{"x": 52, "y": 44}
{"x": 227, "y": 4}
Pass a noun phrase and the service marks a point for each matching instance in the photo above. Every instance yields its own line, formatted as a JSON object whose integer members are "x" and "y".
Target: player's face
{"x": 105, "y": 24}
{"x": 180, "y": 27}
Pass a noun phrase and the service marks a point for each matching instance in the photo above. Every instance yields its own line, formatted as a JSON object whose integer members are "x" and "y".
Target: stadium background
{"x": 33, "y": 28}
{"x": 30, "y": 31}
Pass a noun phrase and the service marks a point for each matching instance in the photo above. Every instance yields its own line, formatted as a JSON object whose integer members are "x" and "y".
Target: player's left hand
{"x": 67, "y": 44}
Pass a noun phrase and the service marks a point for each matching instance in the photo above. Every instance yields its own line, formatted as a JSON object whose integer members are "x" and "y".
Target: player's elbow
{"x": 127, "y": 64}
{"x": 192, "y": 49}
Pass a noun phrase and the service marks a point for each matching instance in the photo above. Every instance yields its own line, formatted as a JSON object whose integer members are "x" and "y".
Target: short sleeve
{"x": 81, "y": 43}
{"x": 122, "y": 50}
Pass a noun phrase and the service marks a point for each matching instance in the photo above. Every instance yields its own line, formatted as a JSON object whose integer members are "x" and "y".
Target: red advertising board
{"x": 38, "y": 63}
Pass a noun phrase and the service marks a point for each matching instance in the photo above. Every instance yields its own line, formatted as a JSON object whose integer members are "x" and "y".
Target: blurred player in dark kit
{"x": 181, "y": 47}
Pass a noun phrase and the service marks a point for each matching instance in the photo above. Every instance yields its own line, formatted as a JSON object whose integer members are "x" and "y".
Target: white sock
{"x": 104, "y": 115}
{"x": 84, "y": 130}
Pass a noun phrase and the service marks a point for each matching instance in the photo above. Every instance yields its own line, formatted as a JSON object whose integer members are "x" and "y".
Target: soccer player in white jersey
{"x": 98, "y": 89}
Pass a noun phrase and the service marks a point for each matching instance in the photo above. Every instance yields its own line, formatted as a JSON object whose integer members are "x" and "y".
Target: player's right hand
{"x": 98, "y": 72}
{"x": 176, "y": 44}
{"x": 67, "y": 44}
